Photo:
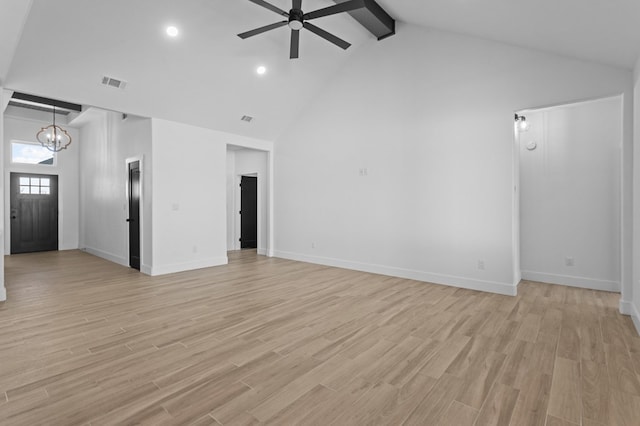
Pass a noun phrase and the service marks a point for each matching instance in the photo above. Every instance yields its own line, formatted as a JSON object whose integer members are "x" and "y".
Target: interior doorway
{"x": 568, "y": 204}
{"x": 248, "y": 212}
{"x": 34, "y": 212}
{"x": 134, "y": 214}
{"x": 248, "y": 168}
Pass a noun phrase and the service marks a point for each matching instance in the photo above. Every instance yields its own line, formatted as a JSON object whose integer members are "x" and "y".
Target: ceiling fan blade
{"x": 270, "y": 7}
{"x": 297, "y": 4}
{"x": 338, "y": 8}
{"x": 295, "y": 44}
{"x": 263, "y": 29}
{"x": 327, "y": 36}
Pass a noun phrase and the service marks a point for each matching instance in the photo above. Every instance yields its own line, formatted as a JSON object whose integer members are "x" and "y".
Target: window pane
{"x": 44, "y": 190}
{"x": 24, "y": 181}
{"x": 44, "y": 182}
{"x": 29, "y": 153}
{"x": 35, "y": 181}
{"x": 35, "y": 189}
{"x": 24, "y": 189}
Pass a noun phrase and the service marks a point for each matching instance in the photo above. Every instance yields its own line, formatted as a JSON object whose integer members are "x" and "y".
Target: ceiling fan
{"x": 297, "y": 20}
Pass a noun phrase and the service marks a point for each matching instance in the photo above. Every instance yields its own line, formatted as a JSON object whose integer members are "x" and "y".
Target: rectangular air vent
{"x": 246, "y": 118}
{"x": 113, "y": 82}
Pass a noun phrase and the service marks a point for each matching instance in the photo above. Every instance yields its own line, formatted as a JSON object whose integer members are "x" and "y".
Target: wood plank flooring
{"x": 271, "y": 341}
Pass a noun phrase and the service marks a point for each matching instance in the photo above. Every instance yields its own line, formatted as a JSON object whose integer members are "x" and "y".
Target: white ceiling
{"x": 605, "y": 31}
{"x": 13, "y": 14}
{"x": 207, "y": 75}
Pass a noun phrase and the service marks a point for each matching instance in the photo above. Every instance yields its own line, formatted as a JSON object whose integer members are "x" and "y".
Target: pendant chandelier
{"x": 54, "y": 137}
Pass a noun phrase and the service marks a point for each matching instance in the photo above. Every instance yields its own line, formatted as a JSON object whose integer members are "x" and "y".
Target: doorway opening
{"x": 134, "y": 192}
{"x": 568, "y": 198}
{"x": 34, "y": 212}
{"x": 249, "y": 188}
{"x": 248, "y": 212}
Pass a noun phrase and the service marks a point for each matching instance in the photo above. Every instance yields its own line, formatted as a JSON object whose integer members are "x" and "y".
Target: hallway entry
{"x": 249, "y": 191}
{"x": 569, "y": 167}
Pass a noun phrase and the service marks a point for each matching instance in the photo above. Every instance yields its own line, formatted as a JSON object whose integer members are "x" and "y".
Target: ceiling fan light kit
{"x": 367, "y": 12}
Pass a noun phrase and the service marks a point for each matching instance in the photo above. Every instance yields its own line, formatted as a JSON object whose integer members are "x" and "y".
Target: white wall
{"x": 22, "y": 125}
{"x": 189, "y": 207}
{"x": 3, "y": 291}
{"x": 246, "y": 162}
{"x": 190, "y": 195}
{"x": 107, "y": 142}
{"x": 570, "y": 195}
{"x": 432, "y": 124}
{"x": 631, "y": 303}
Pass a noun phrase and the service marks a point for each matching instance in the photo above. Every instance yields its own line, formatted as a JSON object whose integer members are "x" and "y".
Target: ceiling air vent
{"x": 113, "y": 82}
{"x": 246, "y": 118}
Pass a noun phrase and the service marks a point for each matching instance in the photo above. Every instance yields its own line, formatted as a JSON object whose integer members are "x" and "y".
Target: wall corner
{"x": 633, "y": 311}
{"x": 516, "y": 284}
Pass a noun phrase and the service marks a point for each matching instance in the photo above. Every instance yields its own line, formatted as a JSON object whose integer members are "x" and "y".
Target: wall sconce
{"x": 521, "y": 123}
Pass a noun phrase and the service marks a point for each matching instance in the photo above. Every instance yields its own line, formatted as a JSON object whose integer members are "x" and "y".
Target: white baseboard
{"x": 3, "y": 294}
{"x": 453, "y": 281}
{"x": 262, "y": 252}
{"x": 592, "y": 284}
{"x": 636, "y": 320}
{"x": 107, "y": 256}
{"x": 188, "y": 266}
{"x": 626, "y": 307}
{"x": 145, "y": 269}
{"x": 635, "y": 316}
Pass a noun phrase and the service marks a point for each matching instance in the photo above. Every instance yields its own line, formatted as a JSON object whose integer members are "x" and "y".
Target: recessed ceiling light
{"x": 261, "y": 70}
{"x": 172, "y": 31}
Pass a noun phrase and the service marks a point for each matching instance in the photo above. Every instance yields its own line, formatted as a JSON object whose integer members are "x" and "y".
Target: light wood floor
{"x": 84, "y": 341}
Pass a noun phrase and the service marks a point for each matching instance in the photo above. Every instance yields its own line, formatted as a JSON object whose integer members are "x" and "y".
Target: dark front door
{"x": 134, "y": 215}
{"x": 249, "y": 212}
{"x": 34, "y": 212}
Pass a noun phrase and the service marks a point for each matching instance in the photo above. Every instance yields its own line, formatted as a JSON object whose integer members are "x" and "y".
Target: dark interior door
{"x": 134, "y": 215}
{"x": 249, "y": 212}
{"x": 34, "y": 212}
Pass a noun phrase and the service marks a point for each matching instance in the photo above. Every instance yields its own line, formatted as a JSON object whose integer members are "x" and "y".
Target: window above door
{"x": 31, "y": 153}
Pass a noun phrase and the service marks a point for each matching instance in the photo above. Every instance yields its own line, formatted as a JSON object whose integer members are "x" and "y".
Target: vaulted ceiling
{"x": 206, "y": 76}
{"x": 601, "y": 31}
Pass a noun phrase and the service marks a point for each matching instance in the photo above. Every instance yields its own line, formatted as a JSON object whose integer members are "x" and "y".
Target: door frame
{"x": 144, "y": 268}
{"x": 237, "y": 202}
{"x": 8, "y": 208}
{"x": 38, "y": 169}
{"x": 267, "y": 200}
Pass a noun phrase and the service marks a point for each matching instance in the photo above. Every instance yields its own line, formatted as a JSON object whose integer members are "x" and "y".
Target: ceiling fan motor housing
{"x": 296, "y": 19}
